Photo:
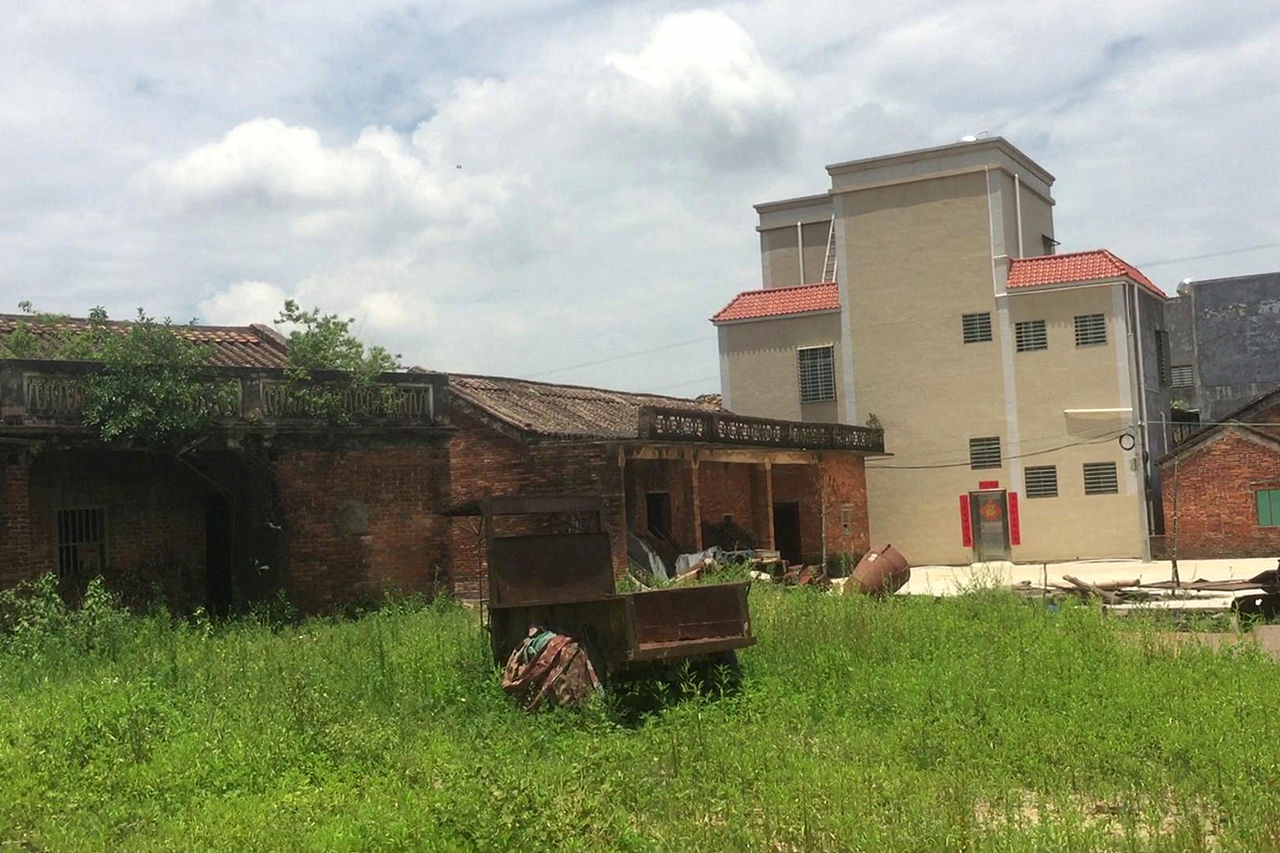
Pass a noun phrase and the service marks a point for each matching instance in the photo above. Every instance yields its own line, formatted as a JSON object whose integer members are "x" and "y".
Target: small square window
{"x": 984, "y": 452}
{"x": 817, "y": 374}
{"x": 1091, "y": 329}
{"x": 1268, "y": 501}
{"x": 1042, "y": 481}
{"x": 1181, "y": 376}
{"x": 1100, "y": 478}
{"x": 976, "y": 327}
{"x": 1031, "y": 335}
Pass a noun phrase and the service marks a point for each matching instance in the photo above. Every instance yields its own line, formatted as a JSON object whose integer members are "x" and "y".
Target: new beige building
{"x": 1017, "y": 387}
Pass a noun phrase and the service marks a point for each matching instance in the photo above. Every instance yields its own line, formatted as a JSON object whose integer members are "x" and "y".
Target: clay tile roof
{"x": 230, "y": 346}
{"x": 564, "y": 410}
{"x": 1075, "y": 267}
{"x": 780, "y": 301}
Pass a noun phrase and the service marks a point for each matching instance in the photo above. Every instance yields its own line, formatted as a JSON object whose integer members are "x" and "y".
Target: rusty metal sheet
{"x": 691, "y": 613}
{"x": 559, "y": 567}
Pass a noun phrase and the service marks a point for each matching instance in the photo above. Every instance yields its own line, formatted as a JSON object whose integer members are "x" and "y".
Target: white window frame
{"x": 1101, "y": 478}
{"x": 980, "y": 457}
{"x": 1091, "y": 330}
{"x": 1030, "y": 335}
{"x": 975, "y": 328}
{"x": 808, "y": 375}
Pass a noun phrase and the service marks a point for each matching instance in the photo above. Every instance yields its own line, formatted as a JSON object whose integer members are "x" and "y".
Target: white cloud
{"x": 218, "y": 157}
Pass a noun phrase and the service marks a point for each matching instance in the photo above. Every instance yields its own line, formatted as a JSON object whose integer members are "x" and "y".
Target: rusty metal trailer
{"x": 550, "y": 565}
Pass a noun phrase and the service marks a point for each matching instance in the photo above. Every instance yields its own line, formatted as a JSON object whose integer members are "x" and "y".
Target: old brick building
{"x": 1222, "y": 486}
{"x": 660, "y": 463}
{"x": 271, "y": 500}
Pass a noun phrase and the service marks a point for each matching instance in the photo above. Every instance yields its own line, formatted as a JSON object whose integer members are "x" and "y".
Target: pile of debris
{"x": 1266, "y": 585}
{"x": 881, "y": 570}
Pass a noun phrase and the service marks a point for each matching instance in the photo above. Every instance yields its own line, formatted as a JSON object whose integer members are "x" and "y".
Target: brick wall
{"x": 840, "y": 481}
{"x": 363, "y": 518}
{"x": 1216, "y": 504}
{"x": 154, "y": 513}
{"x": 486, "y": 461}
{"x": 15, "y": 520}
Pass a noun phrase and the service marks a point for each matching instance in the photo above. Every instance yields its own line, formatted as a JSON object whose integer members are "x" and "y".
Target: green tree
{"x": 152, "y": 388}
{"x": 323, "y": 342}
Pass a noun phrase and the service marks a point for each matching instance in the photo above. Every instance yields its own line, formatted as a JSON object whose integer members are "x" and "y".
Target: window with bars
{"x": 1042, "y": 481}
{"x": 1031, "y": 335}
{"x": 1268, "y": 501}
{"x": 1100, "y": 478}
{"x": 984, "y": 452}
{"x": 1091, "y": 329}
{"x": 82, "y": 543}
{"x": 817, "y": 366}
{"x": 1163, "y": 366}
{"x": 977, "y": 327}
{"x": 1181, "y": 376}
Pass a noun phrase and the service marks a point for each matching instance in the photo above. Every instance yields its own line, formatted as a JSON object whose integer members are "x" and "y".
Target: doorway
{"x": 217, "y": 555}
{"x": 786, "y": 531}
{"x": 990, "y": 512}
{"x": 657, "y": 511}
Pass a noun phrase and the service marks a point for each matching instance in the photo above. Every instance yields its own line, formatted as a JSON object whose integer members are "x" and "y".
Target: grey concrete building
{"x": 1224, "y": 346}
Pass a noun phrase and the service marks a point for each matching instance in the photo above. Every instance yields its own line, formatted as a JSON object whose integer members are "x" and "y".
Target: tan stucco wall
{"x": 759, "y": 358}
{"x": 920, "y": 258}
{"x": 781, "y": 262}
{"x": 916, "y": 253}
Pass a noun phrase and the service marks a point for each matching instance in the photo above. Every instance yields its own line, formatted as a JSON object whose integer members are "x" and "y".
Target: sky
{"x": 563, "y": 190}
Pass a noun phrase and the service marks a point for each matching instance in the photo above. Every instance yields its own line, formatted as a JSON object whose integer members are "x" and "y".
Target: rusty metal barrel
{"x": 881, "y": 571}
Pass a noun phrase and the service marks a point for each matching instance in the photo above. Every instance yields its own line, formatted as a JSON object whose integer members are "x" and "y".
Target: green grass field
{"x": 979, "y": 722}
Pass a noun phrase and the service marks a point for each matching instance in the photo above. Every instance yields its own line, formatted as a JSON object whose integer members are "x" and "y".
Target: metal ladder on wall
{"x": 829, "y": 265}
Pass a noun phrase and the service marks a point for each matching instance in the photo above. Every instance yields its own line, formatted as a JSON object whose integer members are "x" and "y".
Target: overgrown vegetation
{"x": 324, "y": 342}
{"x": 903, "y": 724}
{"x": 153, "y": 388}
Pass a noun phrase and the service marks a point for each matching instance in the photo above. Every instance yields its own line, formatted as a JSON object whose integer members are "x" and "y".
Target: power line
{"x": 687, "y": 382}
{"x": 617, "y": 357}
{"x": 1239, "y": 251}
{"x": 967, "y": 463}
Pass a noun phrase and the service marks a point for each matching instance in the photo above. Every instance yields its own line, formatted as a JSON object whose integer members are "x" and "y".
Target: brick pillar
{"x": 762, "y": 504}
{"x": 690, "y": 467}
{"x": 15, "y": 519}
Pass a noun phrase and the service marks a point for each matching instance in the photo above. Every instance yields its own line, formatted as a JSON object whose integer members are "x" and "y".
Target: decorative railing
{"x": 58, "y": 397}
{"x": 53, "y": 396}
{"x": 401, "y": 402}
{"x": 659, "y": 424}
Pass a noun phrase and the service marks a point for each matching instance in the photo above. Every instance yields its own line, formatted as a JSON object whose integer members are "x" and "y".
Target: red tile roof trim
{"x": 780, "y": 301}
{"x": 1075, "y": 267}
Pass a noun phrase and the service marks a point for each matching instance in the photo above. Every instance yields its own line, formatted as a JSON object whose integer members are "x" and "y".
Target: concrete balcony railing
{"x": 51, "y": 393}
{"x": 660, "y": 424}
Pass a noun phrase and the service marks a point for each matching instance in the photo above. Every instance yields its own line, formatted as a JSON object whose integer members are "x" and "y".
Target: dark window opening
{"x": 657, "y": 508}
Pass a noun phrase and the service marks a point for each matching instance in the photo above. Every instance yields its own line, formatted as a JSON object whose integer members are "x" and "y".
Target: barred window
{"x": 1181, "y": 376}
{"x": 82, "y": 543}
{"x": 977, "y": 327}
{"x": 984, "y": 452}
{"x": 1042, "y": 481}
{"x": 817, "y": 374}
{"x": 1091, "y": 329}
{"x": 1031, "y": 335}
{"x": 1100, "y": 478}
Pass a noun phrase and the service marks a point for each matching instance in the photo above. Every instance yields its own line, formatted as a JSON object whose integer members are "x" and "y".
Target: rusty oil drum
{"x": 882, "y": 570}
